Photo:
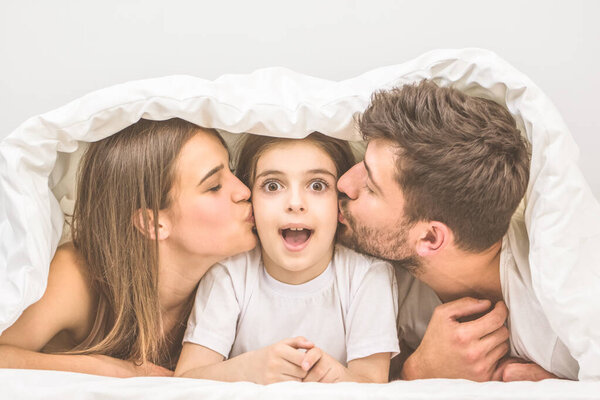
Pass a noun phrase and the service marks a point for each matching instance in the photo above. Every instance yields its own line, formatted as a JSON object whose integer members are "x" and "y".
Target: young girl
{"x": 157, "y": 205}
{"x": 251, "y": 309}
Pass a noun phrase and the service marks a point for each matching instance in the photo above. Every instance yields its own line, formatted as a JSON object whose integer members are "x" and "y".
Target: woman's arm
{"x": 68, "y": 306}
{"x": 276, "y": 363}
{"x": 15, "y": 357}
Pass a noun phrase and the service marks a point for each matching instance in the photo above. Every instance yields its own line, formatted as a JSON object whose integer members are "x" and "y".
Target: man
{"x": 443, "y": 175}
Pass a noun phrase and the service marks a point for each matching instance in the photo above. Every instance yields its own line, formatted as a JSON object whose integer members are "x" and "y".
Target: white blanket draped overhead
{"x": 562, "y": 217}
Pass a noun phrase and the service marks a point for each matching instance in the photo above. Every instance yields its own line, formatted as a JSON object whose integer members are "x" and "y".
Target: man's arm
{"x": 454, "y": 349}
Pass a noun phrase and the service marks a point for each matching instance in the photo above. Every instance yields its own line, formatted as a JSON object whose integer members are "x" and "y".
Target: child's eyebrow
{"x": 309, "y": 172}
{"x": 322, "y": 171}
{"x": 268, "y": 172}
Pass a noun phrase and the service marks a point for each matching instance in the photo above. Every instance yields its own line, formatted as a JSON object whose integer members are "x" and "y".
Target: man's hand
{"x": 516, "y": 369}
{"x": 321, "y": 367}
{"x": 453, "y": 349}
{"x": 279, "y": 362}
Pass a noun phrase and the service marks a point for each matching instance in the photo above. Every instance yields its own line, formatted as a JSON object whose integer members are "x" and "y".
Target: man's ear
{"x": 149, "y": 231}
{"x": 433, "y": 237}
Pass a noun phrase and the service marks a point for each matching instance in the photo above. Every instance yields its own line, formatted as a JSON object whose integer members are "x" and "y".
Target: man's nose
{"x": 347, "y": 184}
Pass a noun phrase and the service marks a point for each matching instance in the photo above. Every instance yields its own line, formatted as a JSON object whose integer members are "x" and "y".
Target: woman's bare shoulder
{"x": 69, "y": 263}
{"x": 68, "y": 269}
{"x": 68, "y": 304}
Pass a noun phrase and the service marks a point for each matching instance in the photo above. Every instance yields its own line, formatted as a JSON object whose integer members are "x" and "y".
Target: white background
{"x": 52, "y": 52}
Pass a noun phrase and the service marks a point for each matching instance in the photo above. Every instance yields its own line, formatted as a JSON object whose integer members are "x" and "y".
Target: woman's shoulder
{"x": 69, "y": 275}
{"x": 70, "y": 265}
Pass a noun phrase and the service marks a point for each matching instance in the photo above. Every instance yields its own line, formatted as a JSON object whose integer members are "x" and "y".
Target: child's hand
{"x": 321, "y": 367}
{"x": 279, "y": 362}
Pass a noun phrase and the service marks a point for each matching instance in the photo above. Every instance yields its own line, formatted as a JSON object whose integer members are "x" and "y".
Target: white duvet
{"x": 562, "y": 217}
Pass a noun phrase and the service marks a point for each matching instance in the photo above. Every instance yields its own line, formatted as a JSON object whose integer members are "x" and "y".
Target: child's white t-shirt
{"x": 349, "y": 310}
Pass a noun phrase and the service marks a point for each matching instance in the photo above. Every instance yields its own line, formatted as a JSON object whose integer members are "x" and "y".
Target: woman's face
{"x": 295, "y": 207}
{"x": 210, "y": 215}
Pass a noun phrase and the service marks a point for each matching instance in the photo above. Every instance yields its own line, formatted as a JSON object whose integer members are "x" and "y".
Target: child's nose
{"x": 296, "y": 201}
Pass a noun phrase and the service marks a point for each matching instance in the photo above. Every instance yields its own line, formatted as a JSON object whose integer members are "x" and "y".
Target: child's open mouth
{"x": 295, "y": 239}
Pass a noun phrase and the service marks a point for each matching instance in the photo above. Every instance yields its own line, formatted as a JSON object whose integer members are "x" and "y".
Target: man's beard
{"x": 391, "y": 244}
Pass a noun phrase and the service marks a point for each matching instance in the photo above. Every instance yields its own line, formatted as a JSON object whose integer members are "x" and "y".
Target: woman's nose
{"x": 348, "y": 183}
{"x": 240, "y": 191}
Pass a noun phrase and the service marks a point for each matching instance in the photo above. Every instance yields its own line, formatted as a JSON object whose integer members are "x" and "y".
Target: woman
{"x": 156, "y": 207}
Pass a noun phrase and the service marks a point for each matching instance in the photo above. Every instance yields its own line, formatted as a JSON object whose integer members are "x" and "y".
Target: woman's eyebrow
{"x": 211, "y": 173}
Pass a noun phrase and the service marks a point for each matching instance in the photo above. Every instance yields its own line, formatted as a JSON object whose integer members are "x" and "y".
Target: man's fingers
{"x": 497, "y": 353}
{"x": 493, "y": 339}
{"x": 526, "y": 372}
{"x": 311, "y": 357}
{"x": 464, "y": 307}
{"x": 488, "y": 323}
{"x": 291, "y": 354}
{"x": 299, "y": 342}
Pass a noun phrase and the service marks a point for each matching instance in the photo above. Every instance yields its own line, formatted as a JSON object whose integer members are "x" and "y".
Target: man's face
{"x": 372, "y": 214}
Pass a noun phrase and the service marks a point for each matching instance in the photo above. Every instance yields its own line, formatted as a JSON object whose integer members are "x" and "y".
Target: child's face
{"x": 295, "y": 209}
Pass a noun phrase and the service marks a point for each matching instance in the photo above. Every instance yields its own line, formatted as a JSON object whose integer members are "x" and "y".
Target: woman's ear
{"x": 145, "y": 216}
{"x": 433, "y": 237}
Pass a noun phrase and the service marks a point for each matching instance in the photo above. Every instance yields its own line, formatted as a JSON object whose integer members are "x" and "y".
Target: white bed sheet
{"x": 50, "y": 385}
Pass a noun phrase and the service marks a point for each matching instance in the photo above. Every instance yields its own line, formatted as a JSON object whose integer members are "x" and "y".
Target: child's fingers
{"x": 293, "y": 370}
{"x": 291, "y": 354}
{"x": 287, "y": 378}
{"x": 316, "y": 374}
{"x": 311, "y": 357}
{"x": 299, "y": 342}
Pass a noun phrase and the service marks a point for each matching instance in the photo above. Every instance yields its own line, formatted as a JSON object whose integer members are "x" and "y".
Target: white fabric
{"x": 349, "y": 310}
{"x": 55, "y": 385}
{"x": 531, "y": 335}
{"x": 562, "y": 218}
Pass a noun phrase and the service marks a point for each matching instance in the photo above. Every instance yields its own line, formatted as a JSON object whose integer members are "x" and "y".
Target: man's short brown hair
{"x": 461, "y": 160}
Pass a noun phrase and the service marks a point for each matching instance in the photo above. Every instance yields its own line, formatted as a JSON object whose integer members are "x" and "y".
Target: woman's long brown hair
{"x": 129, "y": 171}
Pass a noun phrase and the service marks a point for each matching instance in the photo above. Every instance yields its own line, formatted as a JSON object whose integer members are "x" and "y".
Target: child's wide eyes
{"x": 318, "y": 186}
{"x": 271, "y": 186}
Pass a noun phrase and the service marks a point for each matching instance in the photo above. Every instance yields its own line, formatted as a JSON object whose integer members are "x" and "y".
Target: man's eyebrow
{"x": 211, "y": 173}
{"x": 371, "y": 175}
